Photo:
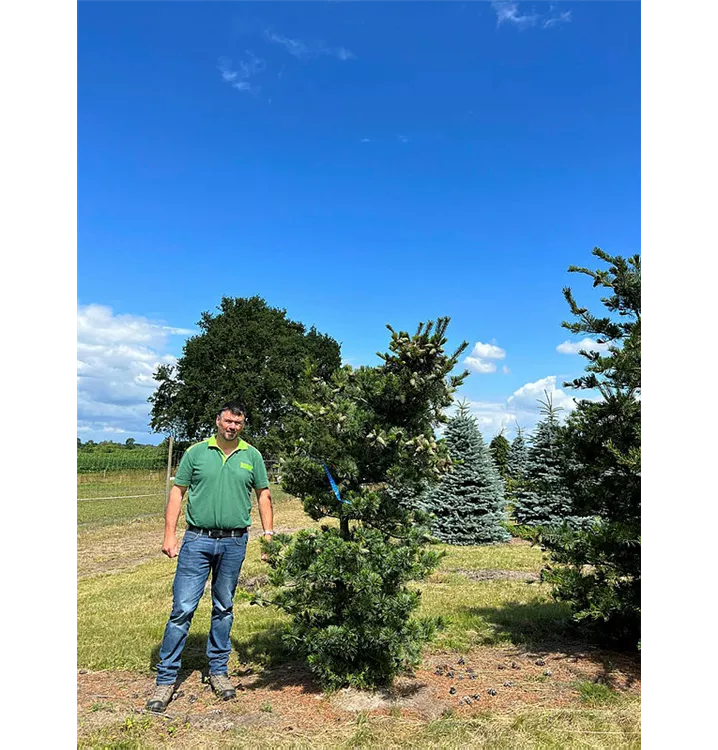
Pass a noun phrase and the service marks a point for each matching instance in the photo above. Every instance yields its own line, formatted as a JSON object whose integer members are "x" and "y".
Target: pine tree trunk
{"x": 344, "y": 529}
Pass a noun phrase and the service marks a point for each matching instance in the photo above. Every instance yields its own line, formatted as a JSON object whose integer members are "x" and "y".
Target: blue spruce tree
{"x": 469, "y": 501}
{"x": 542, "y": 497}
{"x": 518, "y": 457}
{"x": 516, "y": 463}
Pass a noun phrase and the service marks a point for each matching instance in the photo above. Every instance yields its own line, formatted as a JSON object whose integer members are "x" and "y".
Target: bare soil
{"x": 289, "y": 698}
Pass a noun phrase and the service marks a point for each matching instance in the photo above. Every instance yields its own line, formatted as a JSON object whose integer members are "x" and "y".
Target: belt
{"x": 218, "y": 533}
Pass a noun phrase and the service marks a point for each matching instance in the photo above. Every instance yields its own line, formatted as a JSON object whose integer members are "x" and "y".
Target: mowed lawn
{"x": 492, "y": 596}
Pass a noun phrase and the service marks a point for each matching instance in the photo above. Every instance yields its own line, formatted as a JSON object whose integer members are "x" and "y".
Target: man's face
{"x": 229, "y": 425}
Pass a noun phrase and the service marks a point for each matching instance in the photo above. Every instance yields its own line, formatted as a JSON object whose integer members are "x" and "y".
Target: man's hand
{"x": 266, "y": 515}
{"x": 172, "y": 511}
{"x": 170, "y": 546}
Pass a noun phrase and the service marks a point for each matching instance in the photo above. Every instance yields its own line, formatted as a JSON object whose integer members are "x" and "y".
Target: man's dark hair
{"x": 234, "y": 407}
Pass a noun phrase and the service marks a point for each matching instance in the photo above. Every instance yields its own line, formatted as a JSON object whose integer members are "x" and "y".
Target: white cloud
{"x": 344, "y": 54}
{"x": 491, "y": 417}
{"x": 561, "y": 18}
{"x": 117, "y": 356}
{"x": 477, "y": 360}
{"x": 521, "y": 408}
{"x": 488, "y": 351}
{"x": 527, "y": 397}
{"x": 303, "y": 51}
{"x": 573, "y": 347}
{"x": 478, "y": 365}
{"x": 505, "y": 370}
{"x": 509, "y": 13}
{"x": 239, "y": 77}
{"x": 294, "y": 46}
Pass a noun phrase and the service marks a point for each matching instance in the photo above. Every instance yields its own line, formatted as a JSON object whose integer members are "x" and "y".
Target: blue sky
{"x": 357, "y": 163}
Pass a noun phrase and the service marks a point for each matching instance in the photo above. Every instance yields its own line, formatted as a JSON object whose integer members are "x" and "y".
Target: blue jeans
{"x": 199, "y": 556}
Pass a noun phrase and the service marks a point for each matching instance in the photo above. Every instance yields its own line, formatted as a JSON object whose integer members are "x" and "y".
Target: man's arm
{"x": 172, "y": 511}
{"x": 266, "y": 514}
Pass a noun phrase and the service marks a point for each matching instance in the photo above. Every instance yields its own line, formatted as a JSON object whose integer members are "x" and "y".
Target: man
{"x": 220, "y": 473}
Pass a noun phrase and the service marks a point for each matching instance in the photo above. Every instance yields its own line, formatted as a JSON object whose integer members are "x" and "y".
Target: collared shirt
{"x": 220, "y": 486}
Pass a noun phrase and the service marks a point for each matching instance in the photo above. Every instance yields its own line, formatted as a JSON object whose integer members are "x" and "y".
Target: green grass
{"x": 124, "y": 505}
{"x": 112, "y": 498}
{"x": 108, "y": 512}
{"x": 121, "y": 619}
{"x": 596, "y": 694}
{"x": 535, "y": 729}
{"x": 521, "y": 557}
{"x": 125, "y": 482}
{"x": 493, "y": 612}
{"x": 122, "y": 615}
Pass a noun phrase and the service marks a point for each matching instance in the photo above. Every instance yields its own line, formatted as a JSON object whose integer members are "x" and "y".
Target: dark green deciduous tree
{"x": 250, "y": 352}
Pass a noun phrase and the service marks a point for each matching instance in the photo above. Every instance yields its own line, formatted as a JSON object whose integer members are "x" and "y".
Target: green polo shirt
{"x": 220, "y": 486}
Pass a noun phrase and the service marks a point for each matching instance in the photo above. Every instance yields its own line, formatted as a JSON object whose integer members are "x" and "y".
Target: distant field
{"x": 88, "y": 462}
{"x": 115, "y": 496}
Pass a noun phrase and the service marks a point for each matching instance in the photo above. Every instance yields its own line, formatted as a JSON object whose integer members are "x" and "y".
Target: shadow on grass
{"x": 536, "y": 624}
{"x": 263, "y": 651}
{"x": 265, "y": 647}
{"x": 194, "y": 657}
{"x": 279, "y": 667}
{"x": 548, "y": 627}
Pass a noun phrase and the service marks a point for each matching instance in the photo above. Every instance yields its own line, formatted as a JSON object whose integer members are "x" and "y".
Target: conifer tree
{"x": 517, "y": 458}
{"x": 515, "y": 468}
{"x": 345, "y": 586}
{"x": 597, "y": 569}
{"x": 468, "y": 503}
{"x": 500, "y": 448}
{"x": 542, "y": 497}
